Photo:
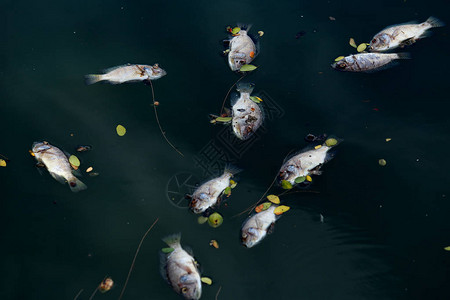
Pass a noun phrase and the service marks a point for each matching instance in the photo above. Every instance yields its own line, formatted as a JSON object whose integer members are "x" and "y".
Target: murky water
{"x": 384, "y": 228}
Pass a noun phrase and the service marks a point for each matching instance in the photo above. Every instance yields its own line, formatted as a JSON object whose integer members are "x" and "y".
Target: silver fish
{"x": 179, "y": 268}
{"x": 121, "y": 74}
{"x": 401, "y": 35}
{"x": 57, "y": 165}
{"x": 367, "y": 62}
{"x": 208, "y": 194}
{"x": 242, "y": 50}
{"x": 247, "y": 115}
{"x": 257, "y": 226}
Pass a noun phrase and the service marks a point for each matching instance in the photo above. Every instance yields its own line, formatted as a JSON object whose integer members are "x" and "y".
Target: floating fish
{"x": 242, "y": 50}
{"x": 256, "y": 227}
{"x": 57, "y": 165}
{"x": 180, "y": 270}
{"x": 127, "y": 73}
{"x": 247, "y": 115}
{"x": 367, "y": 62}
{"x": 402, "y": 35}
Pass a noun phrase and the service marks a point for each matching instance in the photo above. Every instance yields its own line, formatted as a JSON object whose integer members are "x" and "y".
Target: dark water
{"x": 384, "y": 228}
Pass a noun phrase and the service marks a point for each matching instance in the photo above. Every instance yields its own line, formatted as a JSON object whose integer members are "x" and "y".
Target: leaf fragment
{"x": 227, "y": 191}
{"x": 255, "y": 99}
{"x": 206, "y": 280}
{"x": 233, "y": 183}
{"x": 235, "y": 30}
{"x": 308, "y": 178}
{"x": 202, "y": 220}
{"x": 388, "y": 139}
{"x": 120, "y": 130}
{"x": 214, "y": 243}
{"x": 31, "y": 152}
{"x": 2, "y": 163}
{"x": 274, "y": 199}
{"x": 331, "y": 142}
{"x": 247, "y": 68}
{"x": 382, "y": 162}
{"x": 361, "y": 47}
{"x": 167, "y": 250}
{"x": 352, "y": 43}
{"x": 300, "y": 179}
{"x": 318, "y": 147}
{"x": 74, "y": 161}
{"x": 261, "y": 33}
{"x": 339, "y": 58}
{"x": 224, "y": 119}
{"x": 286, "y": 185}
{"x": 447, "y": 248}
{"x": 89, "y": 169}
{"x": 281, "y": 209}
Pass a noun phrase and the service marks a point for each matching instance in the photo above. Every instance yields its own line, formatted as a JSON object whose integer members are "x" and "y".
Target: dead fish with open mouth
{"x": 127, "y": 73}
{"x": 180, "y": 270}
{"x": 247, "y": 116}
{"x": 368, "y": 62}
{"x": 257, "y": 226}
{"x": 208, "y": 194}
{"x": 57, "y": 164}
{"x": 307, "y": 162}
{"x": 242, "y": 49}
{"x": 402, "y": 35}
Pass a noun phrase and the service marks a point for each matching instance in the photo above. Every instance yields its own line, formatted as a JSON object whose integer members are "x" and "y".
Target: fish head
{"x": 40, "y": 147}
{"x": 289, "y": 173}
{"x": 190, "y": 286}
{"x": 199, "y": 203}
{"x": 380, "y": 42}
{"x": 343, "y": 64}
{"x": 155, "y": 71}
{"x": 250, "y": 236}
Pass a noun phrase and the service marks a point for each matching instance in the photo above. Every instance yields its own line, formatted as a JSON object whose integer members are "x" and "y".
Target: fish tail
{"x": 434, "y": 22}
{"x": 172, "y": 240}
{"x": 92, "y": 78}
{"x": 244, "y": 26}
{"x": 231, "y": 169}
{"x": 245, "y": 88}
{"x": 76, "y": 185}
{"x": 403, "y": 55}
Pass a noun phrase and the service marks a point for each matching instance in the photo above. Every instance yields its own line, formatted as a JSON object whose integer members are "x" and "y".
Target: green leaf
{"x": 224, "y": 119}
{"x": 266, "y": 205}
{"x": 121, "y": 130}
{"x": 233, "y": 183}
{"x": 167, "y": 250}
{"x": 300, "y": 179}
{"x": 235, "y": 30}
{"x": 352, "y": 42}
{"x": 255, "y": 99}
{"x": 247, "y": 68}
{"x": 202, "y": 220}
{"x": 286, "y": 185}
{"x": 206, "y": 280}
{"x": 382, "y": 162}
{"x": 447, "y": 248}
{"x": 331, "y": 142}
{"x": 339, "y": 58}
{"x": 74, "y": 161}
{"x": 227, "y": 190}
{"x": 215, "y": 220}
{"x": 361, "y": 47}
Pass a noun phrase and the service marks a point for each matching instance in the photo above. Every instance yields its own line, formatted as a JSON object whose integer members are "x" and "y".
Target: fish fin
{"x": 40, "y": 165}
{"x": 227, "y": 111}
{"x": 117, "y": 67}
{"x": 271, "y": 228}
{"x": 188, "y": 250}
{"x": 76, "y": 172}
{"x": 58, "y": 178}
{"x": 233, "y": 170}
{"x": 172, "y": 240}
{"x": 234, "y": 98}
{"x": 244, "y": 26}
{"x": 76, "y": 185}
{"x": 245, "y": 88}
{"x": 330, "y": 155}
{"x": 435, "y": 22}
{"x": 163, "y": 266}
{"x": 403, "y": 55}
{"x": 92, "y": 78}
{"x": 408, "y": 42}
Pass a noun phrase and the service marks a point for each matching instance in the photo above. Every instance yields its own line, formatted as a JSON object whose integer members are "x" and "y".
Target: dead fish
{"x": 180, "y": 270}
{"x": 402, "y": 35}
{"x": 208, "y": 194}
{"x": 242, "y": 50}
{"x": 255, "y": 228}
{"x": 57, "y": 165}
{"x": 130, "y": 72}
{"x": 247, "y": 115}
{"x": 307, "y": 162}
{"x": 368, "y": 62}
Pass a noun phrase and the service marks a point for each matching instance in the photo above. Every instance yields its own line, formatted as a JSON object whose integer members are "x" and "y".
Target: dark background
{"x": 384, "y": 230}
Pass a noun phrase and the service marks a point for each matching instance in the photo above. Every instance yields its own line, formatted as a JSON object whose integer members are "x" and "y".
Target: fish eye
{"x": 244, "y": 235}
{"x": 374, "y": 41}
{"x": 342, "y": 66}
{"x": 184, "y": 290}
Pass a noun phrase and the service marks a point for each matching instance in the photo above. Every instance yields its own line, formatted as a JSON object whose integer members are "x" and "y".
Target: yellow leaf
{"x": 382, "y": 162}
{"x": 388, "y": 139}
{"x": 121, "y": 130}
{"x": 31, "y": 152}
{"x": 274, "y": 199}
{"x": 361, "y": 47}
{"x": 89, "y": 169}
{"x": 261, "y": 33}
{"x": 74, "y": 161}
{"x": 339, "y": 58}
{"x": 214, "y": 243}
{"x": 281, "y": 209}
{"x": 447, "y": 248}
{"x": 206, "y": 280}
{"x": 308, "y": 178}
{"x": 352, "y": 43}
{"x": 318, "y": 147}
{"x": 2, "y": 163}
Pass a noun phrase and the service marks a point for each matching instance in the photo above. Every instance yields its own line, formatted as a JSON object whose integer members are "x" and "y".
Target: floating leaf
{"x": 339, "y": 58}
{"x": 206, "y": 280}
{"x": 382, "y": 162}
{"x": 224, "y": 119}
{"x": 318, "y": 147}
{"x": 2, "y": 163}
{"x": 447, "y": 248}
{"x": 121, "y": 130}
{"x": 94, "y": 174}
{"x": 261, "y": 33}
{"x": 235, "y": 30}
{"x": 274, "y": 199}
{"x": 214, "y": 243}
{"x": 247, "y": 68}
{"x": 361, "y": 47}
{"x": 89, "y": 169}
{"x": 227, "y": 191}
{"x": 286, "y": 185}
{"x": 388, "y": 139}
{"x": 233, "y": 183}
{"x": 74, "y": 161}
{"x": 259, "y": 208}
{"x": 300, "y": 179}
{"x": 255, "y": 99}
{"x": 167, "y": 250}
{"x": 31, "y": 152}
{"x": 202, "y": 220}
{"x": 215, "y": 220}
{"x": 352, "y": 43}
{"x": 308, "y": 178}
{"x": 331, "y": 142}
{"x": 281, "y": 209}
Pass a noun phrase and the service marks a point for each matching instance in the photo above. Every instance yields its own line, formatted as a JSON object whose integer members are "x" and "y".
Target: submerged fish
{"x": 367, "y": 62}
{"x": 242, "y": 50}
{"x": 179, "y": 268}
{"x": 247, "y": 115}
{"x": 57, "y": 165}
{"x": 307, "y": 162}
{"x": 402, "y": 35}
{"x": 208, "y": 194}
{"x": 258, "y": 226}
{"x": 121, "y": 74}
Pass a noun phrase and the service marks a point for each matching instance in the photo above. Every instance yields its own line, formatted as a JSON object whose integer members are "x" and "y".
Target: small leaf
{"x": 167, "y": 250}
{"x": 224, "y": 119}
{"x": 331, "y": 142}
{"x": 206, "y": 280}
{"x": 286, "y": 185}
{"x": 352, "y": 43}
{"x": 121, "y": 130}
{"x": 31, "y": 152}
{"x": 74, "y": 161}
{"x": 339, "y": 58}
{"x": 281, "y": 209}
{"x": 227, "y": 191}
{"x": 247, "y": 68}
{"x": 361, "y": 47}
{"x": 215, "y": 220}
{"x": 233, "y": 183}
{"x": 447, "y": 248}
{"x": 202, "y": 220}
{"x": 261, "y": 33}
{"x": 89, "y": 169}
{"x": 308, "y": 178}
{"x": 388, "y": 139}
{"x": 266, "y": 205}
{"x": 235, "y": 30}
{"x": 259, "y": 208}
{"x": 318, "y": 147}
{"x": 255, "y": 99}
{"x": 274, "y": 199}
{"x": 214, "y": 243}
{"x": 2, "y": 163}
{"x": 382, "y": 162}
{"x": 300, "y": 179}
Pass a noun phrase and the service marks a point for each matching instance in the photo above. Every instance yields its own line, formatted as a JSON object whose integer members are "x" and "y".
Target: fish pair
{"x": 388, "y": 39}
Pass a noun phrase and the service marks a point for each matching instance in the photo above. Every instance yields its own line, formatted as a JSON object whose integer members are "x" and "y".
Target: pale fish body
{"x": 401, "y": 35}
{"x": 57, "y": 165}
{"x": 256, "y": 227}
{"x": 121, "y": 74}
{"x": 207, "y": 195}
{"x": 367, "y": 62}
{"x": 179, "y": 268}
{"x": 304, "y": 163}
{"x": 242, "y": 50}
{"x": 247, "y": 115}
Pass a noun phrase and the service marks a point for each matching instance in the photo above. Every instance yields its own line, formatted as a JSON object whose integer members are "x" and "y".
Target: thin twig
{"x": 79, "y": 293}
{"x": 134, "y": 259}
{"x": 4, "y": 156}
{"x": 159, "y": 124}
{"x": 225, "y": 99}
{"x": 218, "y": 292}
{"x": 93, "y": 294}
